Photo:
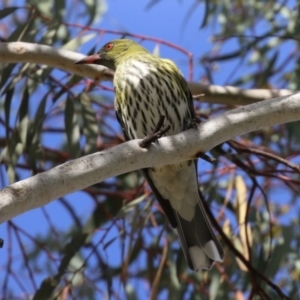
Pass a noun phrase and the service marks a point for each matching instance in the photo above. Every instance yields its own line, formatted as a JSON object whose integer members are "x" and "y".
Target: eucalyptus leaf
{"x": 72, "y": 128}
{"x": 90, "y": 124}
{"x": 7, "y": 11}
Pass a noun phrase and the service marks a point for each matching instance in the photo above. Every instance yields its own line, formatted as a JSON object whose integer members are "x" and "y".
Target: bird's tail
{"x": 199, "y": 243}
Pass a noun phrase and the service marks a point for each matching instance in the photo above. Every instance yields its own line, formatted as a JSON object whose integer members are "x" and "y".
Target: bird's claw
{"x": 193, "y": 123}
{"x": 158, "y": 132}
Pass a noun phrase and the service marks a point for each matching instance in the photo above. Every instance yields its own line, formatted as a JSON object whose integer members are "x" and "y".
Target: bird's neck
{"x": 132, "y": 70}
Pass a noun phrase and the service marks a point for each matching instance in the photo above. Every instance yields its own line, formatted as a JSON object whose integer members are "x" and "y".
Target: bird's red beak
{"x": 92, "y": 59}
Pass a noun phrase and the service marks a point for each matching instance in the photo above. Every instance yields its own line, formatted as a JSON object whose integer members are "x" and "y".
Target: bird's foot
{"x": 158, "y": 132}
{"x": 193, "y": 123}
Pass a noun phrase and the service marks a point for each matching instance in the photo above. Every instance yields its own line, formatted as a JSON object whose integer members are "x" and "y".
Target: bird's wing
{"x": 189, "y": 96}
{"x": 165, "y": 204}
{"x": 119, "y": 118}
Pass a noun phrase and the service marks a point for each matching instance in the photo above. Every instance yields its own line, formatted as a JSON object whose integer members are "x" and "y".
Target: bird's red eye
{"x": 109, "y": 46}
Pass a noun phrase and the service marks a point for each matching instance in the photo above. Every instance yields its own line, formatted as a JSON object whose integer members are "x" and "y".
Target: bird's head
{"x": 113, "y": 53}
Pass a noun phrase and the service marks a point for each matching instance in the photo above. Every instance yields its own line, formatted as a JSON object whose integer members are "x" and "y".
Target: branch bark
{"x": 85, "y": 171}
{"x": 64, "y": 59}
{"x": 20, "y": 52}
{"x": 231, "y": 95}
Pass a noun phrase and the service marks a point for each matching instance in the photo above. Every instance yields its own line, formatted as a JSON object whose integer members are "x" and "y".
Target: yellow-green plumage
{"x": 144, "y": 92}
{"x": 146, "y": 88}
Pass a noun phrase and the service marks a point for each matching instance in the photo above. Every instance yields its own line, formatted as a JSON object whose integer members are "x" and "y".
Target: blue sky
{"x": 160, "y": 21}
{"x": 165, "y": 20}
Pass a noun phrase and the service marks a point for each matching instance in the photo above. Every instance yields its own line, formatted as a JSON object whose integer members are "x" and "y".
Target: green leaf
{"x": 59, "y": 9}
{"x": 25, "y": 32}
{"x": 72, "y": 128}
{"x": 130, "y": 206}
{"x": 293, "y": 134}
{"x": 7, "y": 106}
{"x": 130, "y": 292}
{"x": 214, "y": 286}
{"x": 58, "y": 94}
{"x": 95, "y": 10}
{"x": 44, "y": 7}
{"x": 40, "y": 114}
{"x": 5, "y": 74}
{"x": 279, "y": 253}
{"x": 206, "y": 14}
{"x": 49, "y": 36}
{"x": 156, "y": 50}
{"x": 268, "y": 72}
{"x": 33, "y": 146}
{"x": 7, "y": 11}
{"x": 90, "y": 124}
{"x": 76, "y": 42}
{"x": 23, "y": 116}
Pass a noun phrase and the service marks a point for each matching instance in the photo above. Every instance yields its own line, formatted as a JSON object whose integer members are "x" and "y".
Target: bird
{"x": 148, "y": 88}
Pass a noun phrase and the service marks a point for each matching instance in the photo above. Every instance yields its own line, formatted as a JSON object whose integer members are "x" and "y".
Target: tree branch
{"x": 64, "y": 59}
{"x": 85, "y": 171}
{"x": 231, "y": 95}
{"x": 20, "y": 52}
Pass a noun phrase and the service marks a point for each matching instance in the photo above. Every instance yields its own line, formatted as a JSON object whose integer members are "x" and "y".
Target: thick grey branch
{"x": 83, "y": 172}
{"x": 59, "y": 58}
{"x": 231, "y": 95}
